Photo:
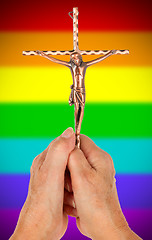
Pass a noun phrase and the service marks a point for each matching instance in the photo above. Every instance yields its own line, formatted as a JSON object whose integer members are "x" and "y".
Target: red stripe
{"x": 94, "y": 15}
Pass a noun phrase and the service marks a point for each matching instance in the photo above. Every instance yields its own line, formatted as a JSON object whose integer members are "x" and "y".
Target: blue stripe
{"x": 134, "y": 191}
{"x": 129, "y": 155}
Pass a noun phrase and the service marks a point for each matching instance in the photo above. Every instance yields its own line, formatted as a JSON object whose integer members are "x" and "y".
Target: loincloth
{"x": 77, "y": 95}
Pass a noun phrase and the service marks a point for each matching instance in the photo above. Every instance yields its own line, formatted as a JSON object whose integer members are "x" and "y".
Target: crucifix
{"x": 78, "y": 69}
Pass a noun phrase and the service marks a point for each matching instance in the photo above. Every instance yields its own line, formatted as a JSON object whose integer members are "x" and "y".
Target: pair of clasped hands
{"x": 66, "y": 180}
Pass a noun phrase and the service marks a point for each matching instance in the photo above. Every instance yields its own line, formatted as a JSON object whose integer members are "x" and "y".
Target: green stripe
{"x": 100, "y": 120}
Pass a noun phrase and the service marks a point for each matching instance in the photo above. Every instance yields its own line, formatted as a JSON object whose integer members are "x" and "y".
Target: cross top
{"x": 78, "y": 70}
{"x": 76, "y": 43}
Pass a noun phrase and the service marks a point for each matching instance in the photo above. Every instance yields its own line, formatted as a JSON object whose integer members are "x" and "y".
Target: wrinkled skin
{"x": 42, "y": 215}
{"x": 98, "y": 211}
{"x": 68, "y": 181}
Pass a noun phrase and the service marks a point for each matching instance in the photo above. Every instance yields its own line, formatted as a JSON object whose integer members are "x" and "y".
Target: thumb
{"x": 79, "y": 168}
{"x": 96, "y": 156}
{"x": 58, "y": 153}
{"x": 81, "y": 175}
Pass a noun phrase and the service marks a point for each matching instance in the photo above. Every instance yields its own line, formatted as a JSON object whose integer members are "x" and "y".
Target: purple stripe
{"x": 13, "y": 190}
{"x": 8, "y": 220}
{"x": 134, "y": 190}
{"x": 139, "y": 221}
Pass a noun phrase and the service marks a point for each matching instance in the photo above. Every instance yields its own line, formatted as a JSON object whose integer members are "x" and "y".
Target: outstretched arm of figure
{"x": 67, "y": 64}
{"x": 100, "y": 58}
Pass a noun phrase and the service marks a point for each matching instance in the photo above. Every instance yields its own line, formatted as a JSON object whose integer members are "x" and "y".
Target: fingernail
{"x": 68, "y": 132}
{"x": 68, "y": 187}
{"x": 73, "y": 203}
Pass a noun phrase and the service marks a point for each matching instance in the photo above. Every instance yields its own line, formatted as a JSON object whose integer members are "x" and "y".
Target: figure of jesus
{"x": 77, "y": 97}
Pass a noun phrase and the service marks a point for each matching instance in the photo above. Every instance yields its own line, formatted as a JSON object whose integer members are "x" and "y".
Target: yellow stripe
{"x": 12, "y": 45}
{"x": 107, "y": 84}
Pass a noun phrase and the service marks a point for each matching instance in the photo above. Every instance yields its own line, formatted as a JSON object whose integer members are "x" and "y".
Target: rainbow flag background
{"x": 34, "y": 96}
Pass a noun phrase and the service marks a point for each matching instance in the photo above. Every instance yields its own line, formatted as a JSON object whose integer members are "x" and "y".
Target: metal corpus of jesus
{"x": 78, "y": 69}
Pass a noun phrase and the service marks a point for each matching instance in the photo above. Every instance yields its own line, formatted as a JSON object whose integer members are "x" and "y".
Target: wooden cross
{"x": 76, "y": 43}
{"x": 78, "y": 69}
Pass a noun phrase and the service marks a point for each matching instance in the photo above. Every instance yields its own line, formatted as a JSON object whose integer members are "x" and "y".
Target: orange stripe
{"x": 13, "y": 43}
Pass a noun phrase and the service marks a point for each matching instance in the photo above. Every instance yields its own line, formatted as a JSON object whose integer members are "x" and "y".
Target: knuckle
{"x": 35, "y": 159}
{"x": 33, "y": 166}
{"x": 31, "y": 170}
{"x": 107, "y": 162}
{"x": 107, "y": 157}
{"x": 98, "y": 152}
{"x": 110, "y": 164}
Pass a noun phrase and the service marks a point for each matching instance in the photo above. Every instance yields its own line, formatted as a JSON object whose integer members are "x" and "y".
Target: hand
{"x": 113, "y": 51}
{"x": 41, "y": 53}
{"x": 99, "y": 214}
{"x": 42, "y": 215}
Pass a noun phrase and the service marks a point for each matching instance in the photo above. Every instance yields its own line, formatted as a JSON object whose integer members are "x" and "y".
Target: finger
{"x": 69, "y": 199}
{"x": 88, "y": 147}
{"x": 67, "y": 181}
{"x": 95, "y": 155}
{"x": 38, "y": 160}
{"x": 57, "y": 156}
{"x": 70, "y": 210}
{"x": 82, "y": 177}
{"x": 38, "y": 52}
{"x": 79, "y": 167}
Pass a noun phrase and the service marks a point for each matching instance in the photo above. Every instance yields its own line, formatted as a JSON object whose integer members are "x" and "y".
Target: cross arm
{"x": 41, "y": 53}
{"x": 103, "y": 52}
{"x": 100, "y": 58}
{"x": 30, "y": 53}
{"x": 112, "y": 52}
{"x": 47, "y": 53}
